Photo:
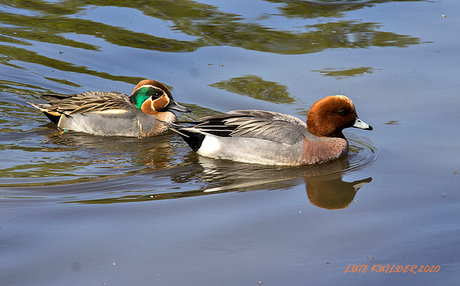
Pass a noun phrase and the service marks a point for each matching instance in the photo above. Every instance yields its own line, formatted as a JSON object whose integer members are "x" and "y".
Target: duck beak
{"x": 361, "y": 124}
{"x": 177, "y": 107}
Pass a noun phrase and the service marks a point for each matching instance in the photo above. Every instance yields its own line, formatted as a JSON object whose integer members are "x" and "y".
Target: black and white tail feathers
{"x": 193, "y": 137}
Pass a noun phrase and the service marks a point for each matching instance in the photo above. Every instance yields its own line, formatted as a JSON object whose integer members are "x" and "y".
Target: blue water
{"x": 77, "y": 209}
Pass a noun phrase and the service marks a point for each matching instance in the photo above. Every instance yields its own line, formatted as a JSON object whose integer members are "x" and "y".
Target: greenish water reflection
{"x": 24, "y": 55}
{"x": 58, "y": 24}
{"x": 326, "y": 8}
{"x": 346, "y": 72}
{"x": 255, "y": 87}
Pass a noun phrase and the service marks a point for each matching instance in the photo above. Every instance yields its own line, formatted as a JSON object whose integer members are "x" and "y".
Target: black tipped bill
{"x": 361, "y": 124}
{"x": 177, "y": 107}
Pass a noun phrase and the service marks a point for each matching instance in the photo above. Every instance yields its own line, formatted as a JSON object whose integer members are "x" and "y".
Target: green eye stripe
{"x": 144, "y": 93}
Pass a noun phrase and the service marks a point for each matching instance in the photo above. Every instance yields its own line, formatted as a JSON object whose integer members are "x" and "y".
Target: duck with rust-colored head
{"x": 144, "y": 113}
{"x": 272, "y": 138}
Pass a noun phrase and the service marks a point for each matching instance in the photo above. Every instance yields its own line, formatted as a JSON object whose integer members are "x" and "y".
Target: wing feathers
{"x": 85, "y": 102}
{"x": 267, "y": 125}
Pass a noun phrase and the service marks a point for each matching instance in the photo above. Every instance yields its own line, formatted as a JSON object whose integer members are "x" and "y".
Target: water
{"x": 78, "y": 209}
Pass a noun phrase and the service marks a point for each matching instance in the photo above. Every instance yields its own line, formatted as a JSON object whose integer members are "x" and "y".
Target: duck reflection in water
{"x": 332, "y": 193}
{"x": 154, "y": 152}
{"x": 324, "y": 185}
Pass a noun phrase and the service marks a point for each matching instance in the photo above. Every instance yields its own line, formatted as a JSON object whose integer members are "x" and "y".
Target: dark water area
{"x": 77, "y": 209}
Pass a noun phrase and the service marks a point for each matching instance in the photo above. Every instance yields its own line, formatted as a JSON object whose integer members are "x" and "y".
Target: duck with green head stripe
{"x": 114, "y": 114}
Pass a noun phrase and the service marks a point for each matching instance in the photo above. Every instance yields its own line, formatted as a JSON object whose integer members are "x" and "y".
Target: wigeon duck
{"x": 272, "y": 138}
{"x": 114, "y": 113}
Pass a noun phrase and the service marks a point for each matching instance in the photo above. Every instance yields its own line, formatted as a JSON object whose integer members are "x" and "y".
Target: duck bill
{"x": 361, "y": 124}
{"x": 177, "y": 107}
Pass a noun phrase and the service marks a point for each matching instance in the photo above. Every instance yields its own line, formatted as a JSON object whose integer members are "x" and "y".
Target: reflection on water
{"x": 155, "y": 153}
{"x": 255, "y": 87}
{"x": 72, "y": 157}
{"x": 324, "y": 185}
{"x": 332, "y": 193}
{"x": 325, "y": 8}
{"x": 70, "y": 24}
{"x": 346, "y": 72}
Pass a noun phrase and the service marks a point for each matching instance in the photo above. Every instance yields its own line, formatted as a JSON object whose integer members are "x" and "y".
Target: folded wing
{"x": 266, "y": 125}
{"x": 91, "y": 101}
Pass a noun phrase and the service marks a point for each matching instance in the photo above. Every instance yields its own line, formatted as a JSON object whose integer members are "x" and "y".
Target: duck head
{"x": 152, "y": 96}
{"x": 330, "y": 115}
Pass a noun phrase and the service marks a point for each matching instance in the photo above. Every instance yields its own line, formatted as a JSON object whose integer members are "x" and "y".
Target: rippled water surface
{"x": 78, "y": 209}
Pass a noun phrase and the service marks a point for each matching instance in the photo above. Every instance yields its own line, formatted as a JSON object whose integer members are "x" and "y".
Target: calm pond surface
{"x": 78, "y": 209}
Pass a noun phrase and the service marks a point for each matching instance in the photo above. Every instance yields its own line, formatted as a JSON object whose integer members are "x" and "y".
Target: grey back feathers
{"x": 272, "y": 126}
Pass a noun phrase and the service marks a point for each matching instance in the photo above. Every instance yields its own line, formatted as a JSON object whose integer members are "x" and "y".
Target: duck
{"x": 144, "y": 113}
{"x": 272, "y": 138}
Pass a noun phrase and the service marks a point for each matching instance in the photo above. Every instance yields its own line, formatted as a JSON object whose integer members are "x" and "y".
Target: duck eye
{"x": 342, "y": 112}
{"x": 156, "y": 93}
